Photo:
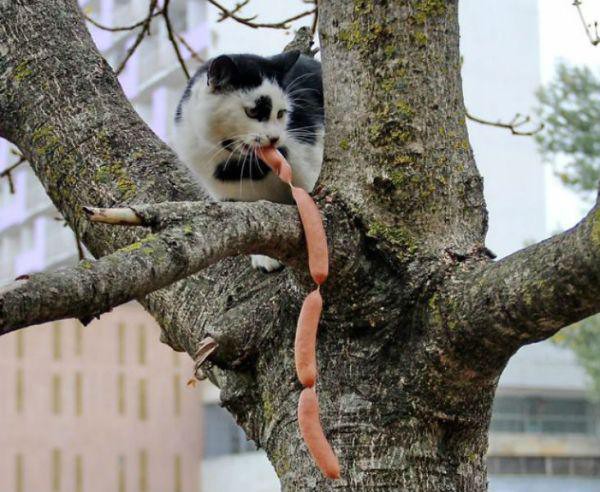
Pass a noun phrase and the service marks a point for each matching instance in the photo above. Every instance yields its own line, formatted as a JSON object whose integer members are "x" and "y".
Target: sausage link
{"x": 273, "y": 158}
{"x": 312, "y": 433}
{"x": 316, "y": 240}
{"x": 306, "y": 339}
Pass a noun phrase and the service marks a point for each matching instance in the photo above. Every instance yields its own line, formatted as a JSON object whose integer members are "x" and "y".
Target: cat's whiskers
{"x": 297, "y": 79}
{"x": 232, "y": 155}
{"x": 292, "y": 94}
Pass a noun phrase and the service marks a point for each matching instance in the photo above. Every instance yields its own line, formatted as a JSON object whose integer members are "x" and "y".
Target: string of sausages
{"x": 308, "y": 321}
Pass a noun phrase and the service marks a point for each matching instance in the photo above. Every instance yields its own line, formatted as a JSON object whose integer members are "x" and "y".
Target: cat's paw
{"x": 266, "y": 264}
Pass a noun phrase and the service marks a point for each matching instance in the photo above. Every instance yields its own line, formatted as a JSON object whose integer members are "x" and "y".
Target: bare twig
{"x": 513, "y": 125}
{"x": 130, "y": 27}
{"x": 173, "y": 40}
{"x": 593, "y": 37}
{"x": 140, "y": 37}
{"x": 249, "y": 21}
{"x": 193, "y": 53}
{"x": 80, "y": 249}
{"x": 7, "y": 173}
{"x": 315, "y": 21}
{"x": 238, "y": 6}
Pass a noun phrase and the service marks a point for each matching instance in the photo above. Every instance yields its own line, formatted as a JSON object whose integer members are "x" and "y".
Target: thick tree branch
{"x": 527, "y": 296}
{"x": 191, "y": 237}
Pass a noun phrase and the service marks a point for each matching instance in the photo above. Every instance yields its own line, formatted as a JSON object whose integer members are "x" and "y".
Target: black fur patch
{"x": 303, "y": 84}
{"x": 236, "y": 169}
{"x": 263, "y": 107}
{"x": 228, "y": 144}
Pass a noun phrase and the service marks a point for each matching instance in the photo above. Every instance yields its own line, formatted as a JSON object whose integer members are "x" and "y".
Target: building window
{"x": 142, "y": 400}
{"x": 540, "y": 465}
{"x": 121, "y": 393}
{"x": 19, "y": 473}
{"x": 19, "y": 391}
{"x": 78, "y": 394}
{"x": 143, "y": 482}
{"x": 177, "y": 394}
{"x": 121, "y": 330}
{"x": 544, "y": 415}
{"x": 56, "y": 470}
{"x": 222, "y": 435}
{"x": 121, "y": 476}
{"x": 56, "y": 394}
{"x": 78, "y": 338}
{"x": 177, "y": 485}
{"x": 78, "y": 473}
{"x": 56, "y": 341}
{"x": 142, "y": 345}
{"x": 20, "y": 344}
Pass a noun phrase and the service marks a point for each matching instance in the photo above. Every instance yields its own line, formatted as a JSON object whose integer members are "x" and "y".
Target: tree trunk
{"x": 418, "y": 322}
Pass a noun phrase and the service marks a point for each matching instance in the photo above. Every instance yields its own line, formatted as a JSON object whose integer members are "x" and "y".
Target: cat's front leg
{"x": 266, "y": 264}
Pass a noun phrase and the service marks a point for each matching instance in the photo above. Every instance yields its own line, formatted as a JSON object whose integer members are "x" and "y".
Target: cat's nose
{"x": 273, "y": 140}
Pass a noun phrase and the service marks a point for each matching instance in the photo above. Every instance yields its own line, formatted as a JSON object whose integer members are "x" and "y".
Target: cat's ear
{"x": 221, "y": 73}
{"x": 285, "y": 61}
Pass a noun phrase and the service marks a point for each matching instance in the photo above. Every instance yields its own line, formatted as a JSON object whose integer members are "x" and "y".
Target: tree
{"x": 419, "y": 322}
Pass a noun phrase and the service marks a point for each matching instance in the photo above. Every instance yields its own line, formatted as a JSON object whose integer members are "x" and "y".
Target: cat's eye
{"x": 251, "y": 112}
{"x": 280, "y": 113}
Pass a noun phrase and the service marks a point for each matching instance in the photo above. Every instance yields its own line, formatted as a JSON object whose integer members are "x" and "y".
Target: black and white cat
{"x": 236, "y": 103}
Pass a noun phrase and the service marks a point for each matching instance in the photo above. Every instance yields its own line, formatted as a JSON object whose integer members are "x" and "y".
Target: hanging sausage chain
{"x": 308, "y": 321}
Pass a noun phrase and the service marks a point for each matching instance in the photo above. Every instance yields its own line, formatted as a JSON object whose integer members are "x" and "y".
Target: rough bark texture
{"x": 418, "y": 321}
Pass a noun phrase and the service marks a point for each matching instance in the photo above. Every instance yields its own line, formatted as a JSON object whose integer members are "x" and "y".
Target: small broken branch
{"x": 205, "y": 348}
{"x": 120, "y": 216}
{"x": 593, "y": 37}
{"x": 513, "y": 125}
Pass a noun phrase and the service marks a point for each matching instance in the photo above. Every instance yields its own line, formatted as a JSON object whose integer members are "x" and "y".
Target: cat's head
{"x": 252, "y": 108}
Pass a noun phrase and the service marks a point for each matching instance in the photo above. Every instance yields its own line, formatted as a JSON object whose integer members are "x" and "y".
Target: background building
{"x": 105, "y": 407}
{"x": 97, "y": 408}
{"x": 544, "y": 433}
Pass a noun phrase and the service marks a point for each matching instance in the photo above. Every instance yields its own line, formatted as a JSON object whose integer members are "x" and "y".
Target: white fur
{"x": 209, "y": 118}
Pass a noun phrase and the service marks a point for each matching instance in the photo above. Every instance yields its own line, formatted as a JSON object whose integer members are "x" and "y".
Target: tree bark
{"x": 418, "y": 321}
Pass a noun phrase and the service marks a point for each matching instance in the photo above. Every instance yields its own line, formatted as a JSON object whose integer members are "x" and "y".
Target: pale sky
{"x": 562, "y": 37}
